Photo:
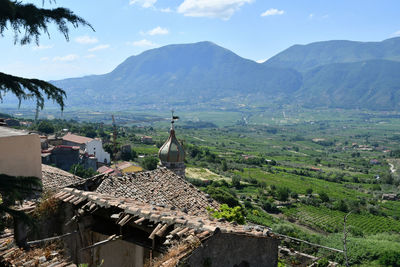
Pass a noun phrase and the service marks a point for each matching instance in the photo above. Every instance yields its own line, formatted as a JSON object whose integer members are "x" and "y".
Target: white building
{"x": 89, "y": 145}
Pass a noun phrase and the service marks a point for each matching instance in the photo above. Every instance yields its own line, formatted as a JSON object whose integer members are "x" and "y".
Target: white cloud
{"x": 42, "y": 47}
{"x": 311, "y": 16}
{"x": 86, "y": 40}
{"x": 223, "y": 9}
{"x": 272, "y": 12}
{"x": 261, "y": 60}
{"x": 166, "y": 10}
{"x": 143, "y": 3}
{"x": 70, "y": 57}
{"x": 396, "y": 33}
{"x": 44, "y": 58}
{"x": 99, "y": 47}
{"x": 90, "y": 56}
{"x": 142, "y": 43}
{"x": 158, "y": 31}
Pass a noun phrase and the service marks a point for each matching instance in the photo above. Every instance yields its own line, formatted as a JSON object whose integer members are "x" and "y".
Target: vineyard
{"x": 332, "y": 221}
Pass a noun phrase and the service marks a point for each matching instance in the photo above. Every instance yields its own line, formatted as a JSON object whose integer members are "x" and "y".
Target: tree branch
{"x": 24, "y": 89}
{"x": 34, "y": 20}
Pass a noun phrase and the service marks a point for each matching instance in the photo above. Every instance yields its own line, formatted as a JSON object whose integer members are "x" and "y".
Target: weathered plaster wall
{"x": 20, "y": 155}
{"x": 117, "y": 253}
{"x": 233, "y": 250}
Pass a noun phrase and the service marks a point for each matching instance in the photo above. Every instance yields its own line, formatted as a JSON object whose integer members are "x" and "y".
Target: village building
{"x": 89, "y": 145}
{"x": 19, "y": 153}
{"x": 146, "y": 139}
{"x": 172, "y": 154}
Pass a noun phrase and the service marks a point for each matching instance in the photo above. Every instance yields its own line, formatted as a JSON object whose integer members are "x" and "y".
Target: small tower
{"x": 171, "y": 153}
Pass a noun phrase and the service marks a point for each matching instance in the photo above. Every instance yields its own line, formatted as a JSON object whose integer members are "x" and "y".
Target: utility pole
{"x": 345, "y": 239}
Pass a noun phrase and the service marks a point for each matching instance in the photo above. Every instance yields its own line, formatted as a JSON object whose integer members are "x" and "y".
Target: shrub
{"x": 324, "y": 197}
{"x": 150, "y": 163}
{"x": 234, "y": 214}
{"x": 390, "y": 258}
{"x": 222, "y": 195}
{"x": 309, "y": 191}
{"x": 283, "y": 193}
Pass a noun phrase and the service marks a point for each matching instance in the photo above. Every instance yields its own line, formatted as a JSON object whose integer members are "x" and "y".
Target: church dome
{"x": 171, "y": 150}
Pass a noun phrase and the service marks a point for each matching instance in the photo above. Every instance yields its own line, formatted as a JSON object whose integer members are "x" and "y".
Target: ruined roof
{"x": 54, "y": 178}
{"x": 159, "y": 187}
{"x": 11, "y": 255}
{"x": 76, "y": 138}
{"x": 135, "y": 211}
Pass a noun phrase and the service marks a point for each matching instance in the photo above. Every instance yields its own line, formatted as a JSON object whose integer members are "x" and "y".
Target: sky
{"x": 253, "y": 29}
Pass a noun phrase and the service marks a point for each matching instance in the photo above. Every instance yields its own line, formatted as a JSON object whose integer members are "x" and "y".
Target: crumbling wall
{"x": 234, "y": 250}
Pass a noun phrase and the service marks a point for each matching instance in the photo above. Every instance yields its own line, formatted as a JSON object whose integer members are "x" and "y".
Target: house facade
{"x": 20, "y": 153}
{"x": 91, "y": 146}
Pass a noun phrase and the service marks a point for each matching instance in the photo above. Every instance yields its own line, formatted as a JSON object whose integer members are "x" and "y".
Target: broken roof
{"x": 183, "y": 223}
{"x": 54, "y": 178}
{"x": 158, "y": 187}
{"x": 11, "y": 255}
{"x": 76, "y": 138}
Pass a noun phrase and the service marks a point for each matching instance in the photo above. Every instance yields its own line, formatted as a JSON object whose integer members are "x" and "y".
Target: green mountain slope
{"x": 307, "y": 57}
{"x": 373, "y": 84}
{"x": 181, "y": 74}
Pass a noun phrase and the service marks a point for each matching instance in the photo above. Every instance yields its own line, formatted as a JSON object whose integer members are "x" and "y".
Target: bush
{"x": 236, "y": 182}
{"x": 45, "y": 127}
{"x": 309, "y": 191}
{"x": 324, "y": 197}
{"x": 233, "y": 214}
{"x": 283, "y": 193}
{"x": 150, "y": 163}
{"x": 222, "y": 195}
{"x": 390, "y": 258}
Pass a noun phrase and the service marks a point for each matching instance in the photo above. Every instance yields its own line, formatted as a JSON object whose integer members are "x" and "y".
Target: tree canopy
{"x": 29, "y": 22}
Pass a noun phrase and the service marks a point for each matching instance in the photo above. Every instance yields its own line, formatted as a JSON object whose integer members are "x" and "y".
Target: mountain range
{"x": 344, "y": 74}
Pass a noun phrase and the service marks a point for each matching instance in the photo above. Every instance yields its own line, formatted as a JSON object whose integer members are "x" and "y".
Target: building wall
{"x": 95, "y": 147}
{"x": 64, "y": 158}
{"x": 69, "y": 143}
{"x": 20, "y": 155}
{"x": 228, "y": 249}
{"x": 117, "y": 253}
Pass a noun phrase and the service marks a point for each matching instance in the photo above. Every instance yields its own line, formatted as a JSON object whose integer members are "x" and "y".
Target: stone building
{"x": 19, "y": 153}
{"x": 172, "y": 154}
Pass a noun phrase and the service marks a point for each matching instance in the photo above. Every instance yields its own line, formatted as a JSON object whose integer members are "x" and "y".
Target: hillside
{"x": 305, "y": 57}
{"x": 343, "y": 74}
{"x": 373, "y": 84}
{"x": 181, "y": 74}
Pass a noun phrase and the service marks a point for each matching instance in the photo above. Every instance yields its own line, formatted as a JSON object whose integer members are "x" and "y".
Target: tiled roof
{"x": 164, "y": 217}
{"x": 160, "y": 187}
{"x": 105, "y": 169}
{"x": 76, "y": 138}
{"x": 54, "y": 178}
{"x": 11, "y": 255}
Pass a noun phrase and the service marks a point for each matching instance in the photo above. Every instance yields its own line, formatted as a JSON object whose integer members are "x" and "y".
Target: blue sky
{"x": 254, "y": 29}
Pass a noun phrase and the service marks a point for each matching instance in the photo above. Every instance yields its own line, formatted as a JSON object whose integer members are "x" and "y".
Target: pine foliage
{"x": 29, "y": 22}
{"x": 34, "y": 20}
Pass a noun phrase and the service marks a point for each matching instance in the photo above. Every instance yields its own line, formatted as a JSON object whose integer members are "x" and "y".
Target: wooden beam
{"x": 51, "y": 238}
{"x": 162, "y": 231}
{"x": 153, "y": 234}
{"x": 125, "y": 220}
{"x": 101, "y": 243}
{"x": 140, "y": 220}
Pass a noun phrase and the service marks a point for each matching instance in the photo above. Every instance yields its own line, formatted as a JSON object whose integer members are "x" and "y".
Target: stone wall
{"x": 234, "y": 250}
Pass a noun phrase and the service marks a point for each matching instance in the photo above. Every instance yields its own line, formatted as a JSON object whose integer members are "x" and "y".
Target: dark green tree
{"x": 28, "y": 22}
{"x": 80, "y": 171}
{"x": 150, "y": 163}
{"x": 45, "y": 127}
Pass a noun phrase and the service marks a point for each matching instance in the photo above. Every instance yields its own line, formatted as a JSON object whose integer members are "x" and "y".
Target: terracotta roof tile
{"x": 54, "y": 178}
{"x": 76, "y": 138}
{"x": 158, "y": 187}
